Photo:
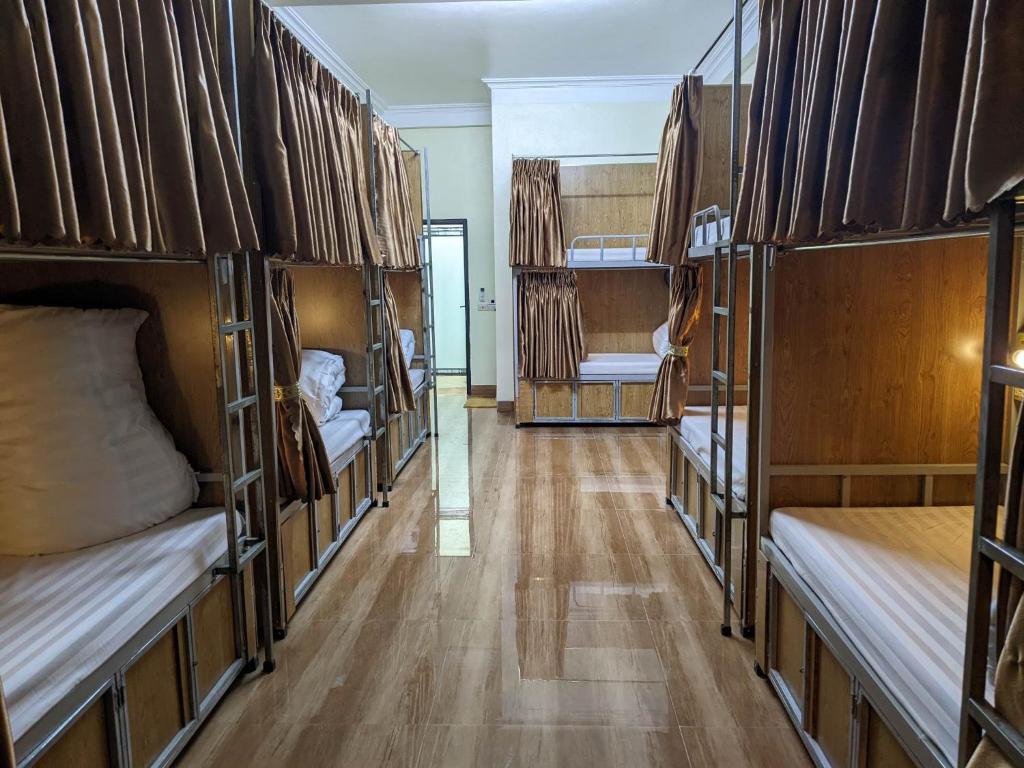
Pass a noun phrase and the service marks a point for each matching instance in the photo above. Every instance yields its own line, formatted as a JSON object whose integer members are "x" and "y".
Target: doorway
{"x": 449, "y": 241}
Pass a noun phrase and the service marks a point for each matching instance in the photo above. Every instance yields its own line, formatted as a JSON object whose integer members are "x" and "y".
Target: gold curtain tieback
{"x": 286, "y": 393}
{"x": 678, "y": 351}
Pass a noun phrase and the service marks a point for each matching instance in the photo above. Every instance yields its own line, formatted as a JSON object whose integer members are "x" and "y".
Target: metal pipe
{"x": 582, "y": 157}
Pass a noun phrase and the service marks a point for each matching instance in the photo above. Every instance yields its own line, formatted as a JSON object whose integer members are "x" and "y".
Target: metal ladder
{"x": 427, "y": 293}
{"x": 977, "y": 715}
{"x": 377, "y": 373}
{"x": 243, "y": 479}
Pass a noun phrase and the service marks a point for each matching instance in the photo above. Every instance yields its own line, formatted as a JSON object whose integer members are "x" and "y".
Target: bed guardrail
{"x": 634, "y": 244}
{"x": 716, "y": 218}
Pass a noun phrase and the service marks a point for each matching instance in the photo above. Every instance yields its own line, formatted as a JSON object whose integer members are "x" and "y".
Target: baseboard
{"x": 484, "y": 390}
{"x": 506, "y": 406}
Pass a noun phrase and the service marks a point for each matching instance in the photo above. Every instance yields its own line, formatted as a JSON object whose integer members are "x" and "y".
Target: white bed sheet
{"x": 895, "y": 580}
{"x": 620, "y": 364}
{"x": 65, "y": 615}
{"x": 708, "y": 234}
{"x": 695, "y": 427}
{"x": 340, "y": 434}
{"x": 590, "y": 255}
{"x": 407, "y": 339}
{"x": 417, "y": 375}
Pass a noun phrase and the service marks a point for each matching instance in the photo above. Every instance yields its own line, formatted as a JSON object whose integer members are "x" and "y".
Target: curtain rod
{"x": 721, "y": 34}
{"x": 572, "y": 157}
{"x": 409, "y": 146}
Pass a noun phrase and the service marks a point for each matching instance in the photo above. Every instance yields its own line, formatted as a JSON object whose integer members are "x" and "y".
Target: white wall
{"x": 461, "y": 188}
{"x": 521, "y": 126}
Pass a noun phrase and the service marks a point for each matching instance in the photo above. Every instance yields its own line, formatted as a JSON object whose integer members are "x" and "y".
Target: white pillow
{"x": 83, "y": 458}
{"x": 660, "y": 339}
{"x": 320, "y": 378}
{"x": 335, "y": 408}
{"x": 408, "y": 341}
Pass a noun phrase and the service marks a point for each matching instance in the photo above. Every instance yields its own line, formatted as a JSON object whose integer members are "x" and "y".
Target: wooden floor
{"x": 527, "y": 599}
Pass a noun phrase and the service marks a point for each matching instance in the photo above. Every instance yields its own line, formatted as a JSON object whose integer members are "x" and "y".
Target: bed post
{"x": 761, "y": 510}
{"x": 427, "y": 286}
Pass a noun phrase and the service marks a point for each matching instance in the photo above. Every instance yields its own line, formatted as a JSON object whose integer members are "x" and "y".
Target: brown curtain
{"x": 550, "y": 326}
{"x": 678, "y": 176}
{"x": 114, "y": 132}
{"x": 1009, "y": 683}
{"x": 880, "y": 116}
{"x": 400, "y": 392}
{"x": 6, "y": 737}
{"x": 397, "y": 228}
{"x": 310, "y": 164}
{"x": 304, "y": 469}
{"x": 673, "y": 382}
{"x": 536, "y": 233}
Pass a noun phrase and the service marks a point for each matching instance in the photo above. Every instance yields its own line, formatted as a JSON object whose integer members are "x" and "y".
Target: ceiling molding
{"x": 512, "y": 90}
{"x": 716, "y": 66}
{"x": 439, "y": 115}
{"x": 327, "y": 56}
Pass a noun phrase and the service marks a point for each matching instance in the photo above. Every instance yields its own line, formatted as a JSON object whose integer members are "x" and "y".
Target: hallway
{"x": 541, "y": 607}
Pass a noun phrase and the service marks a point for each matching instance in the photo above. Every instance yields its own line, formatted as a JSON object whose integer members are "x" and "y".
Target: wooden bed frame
{"x": 896, "y": 330}
{"x": 332, "y": 312}
{"x": 142, "y": 705}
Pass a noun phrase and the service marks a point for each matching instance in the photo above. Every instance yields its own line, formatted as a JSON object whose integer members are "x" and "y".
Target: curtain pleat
{"x": 880, "y": 116}
{"x": 550, "y": 326}
{"x": 310, "y": 164}
{"x": 401, "y": 397}
{"x": 304, "y": 469}
{"x": 673, "y": 382}
{"x": 397, "y": 228}
{"x": 536, "y": 232}
{"x": 678, "y": 175}
{"x": 114, "y": 129}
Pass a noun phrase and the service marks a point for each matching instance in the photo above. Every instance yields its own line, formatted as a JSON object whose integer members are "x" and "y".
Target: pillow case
{"x": 83, "y": 458}
{"x": 333, "y": 410}
{"x": 408, "y": 341}
{"x": 660, "y": 339}
{"x": 321, "y": 376}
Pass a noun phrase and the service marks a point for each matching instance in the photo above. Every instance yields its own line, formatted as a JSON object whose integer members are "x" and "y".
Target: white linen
{"x": 408, "y": 341}
{"x": 895, "y": 581}
{"x": 321, "y": 376}
{"x": 343, "y": 432}
{"x": 712, "y": 233}
{"x": 695, "y": 427}
{"x": 590, "y": 255}
{"x": 337, "y": 404}
{"x": 660, "y": 340}
{"x": 75, "y": 427}
{"x": 620, "y": 364}
{"x": 417, "y": 375}
{"x": 65, "y": 615}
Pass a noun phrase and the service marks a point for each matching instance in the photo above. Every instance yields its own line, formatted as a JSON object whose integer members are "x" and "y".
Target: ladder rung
{"x": 721, "y": 311}
{"x": 1010, "y": 377}
{"x": 246, "y": 480}
{"x": 380, "y": 433}
{"x": 720, "y": 376}
{"x": 375, "y": 302}
{"x": 379, "y": 390}
{"x": 718, "y": 439}
{"x": 377, "y": 347}
{"x": 719, "y": 501}
{"x": 242, "y": 325}
{"x": 244, "y": 402}
{"x": 1010, "y": 558}
{"x": 252, "y": 547}
{"x": 1007, "y": 738}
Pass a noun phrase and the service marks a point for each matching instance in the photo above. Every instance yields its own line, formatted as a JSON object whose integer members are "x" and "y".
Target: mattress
{"x": 708, "y": 234}
{"x": 65, "y": 615}
{"x": 621, "y": 364}
{"x": 895, "y": 580}
{"x": 417, "y": 375}
{"x": 343, "y": 432}
{"x": 695, "y": 428}
{"x": 407, "y": 339}
{"x": 589, "y": 255}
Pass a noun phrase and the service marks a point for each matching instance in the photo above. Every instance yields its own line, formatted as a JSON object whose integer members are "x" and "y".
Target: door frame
{"x": 464, "y": 223}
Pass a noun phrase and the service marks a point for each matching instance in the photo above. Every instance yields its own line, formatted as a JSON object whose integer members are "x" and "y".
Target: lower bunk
{"x": 116, "y": 653}
{"x": 312, "y": 533}
{"x": 866, "y": 625}
{"x": 612, "y": 388}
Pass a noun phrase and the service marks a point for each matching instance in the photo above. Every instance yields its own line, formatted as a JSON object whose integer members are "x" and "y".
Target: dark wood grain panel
{"x": 716, "y": 122}
{"x": 621, "y": 308}
{"x": 612, "y": 198}
{"x": 414, "y": 170}
{"x": 407, "y": 289}
{"x": 700, "y": 347}
{"x": 215, "y": 636}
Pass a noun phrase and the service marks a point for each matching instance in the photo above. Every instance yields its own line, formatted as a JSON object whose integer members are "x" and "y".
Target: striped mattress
{"x": 65, "y": 615}
{"x": 695, "y": 428}
{"x": 895, "y": 581}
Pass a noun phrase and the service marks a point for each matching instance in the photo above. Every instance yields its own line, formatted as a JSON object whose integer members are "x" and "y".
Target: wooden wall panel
{"x": 700, "y": 348}
{"x": 877, "y": 353}
{"x": 831, "y": 713}
{"x": 414, "y": 170}
{"x": 554, "y": 400}
{"x": 621, "y": 308}
{"x": 614, "y": 198}
{"x": 524, "y": 402}
{"x": 717, "y": 127}
{"x": 215, "y": 636}
{"x": 406, "y": 286}
{"x": 635, "y": 400}
{"x": 156, "y": 690}
{"x": 359, "y": 477}
{"x": 788, "y": 642}
{"x": 332, "y": 316}
{"x": 298, "y": 563}
{"x": 85, "y": 744}
{"x": 596, "y": 401}
{"x": 175, "y": 345}
{"x": 882, "y": 749}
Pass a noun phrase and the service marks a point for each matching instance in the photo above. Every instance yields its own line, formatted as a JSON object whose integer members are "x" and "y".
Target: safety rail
{"x": 633, "y": 249}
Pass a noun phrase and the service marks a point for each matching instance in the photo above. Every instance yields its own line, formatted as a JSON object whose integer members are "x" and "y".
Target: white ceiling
{"x": 437, "y": 51}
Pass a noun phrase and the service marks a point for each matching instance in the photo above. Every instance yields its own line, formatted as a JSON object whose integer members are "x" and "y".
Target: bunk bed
{"x": 885, "y": 601}
{"x": 623, "y": 300}
{"x": 132, "y": 567}
{"x": 325, "y": 287}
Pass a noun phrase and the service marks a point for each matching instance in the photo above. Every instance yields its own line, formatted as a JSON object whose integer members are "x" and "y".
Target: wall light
{"x": 1017, "y": 356}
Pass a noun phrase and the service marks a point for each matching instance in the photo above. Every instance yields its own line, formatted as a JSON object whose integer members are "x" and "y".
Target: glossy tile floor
{"x": 527, "y": 600}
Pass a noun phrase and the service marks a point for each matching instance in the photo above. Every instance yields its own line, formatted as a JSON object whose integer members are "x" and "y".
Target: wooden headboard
{"x": 607, "y": 199}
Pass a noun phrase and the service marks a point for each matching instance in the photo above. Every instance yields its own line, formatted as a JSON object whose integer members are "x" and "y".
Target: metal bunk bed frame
{"x": 233, "y": 282}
